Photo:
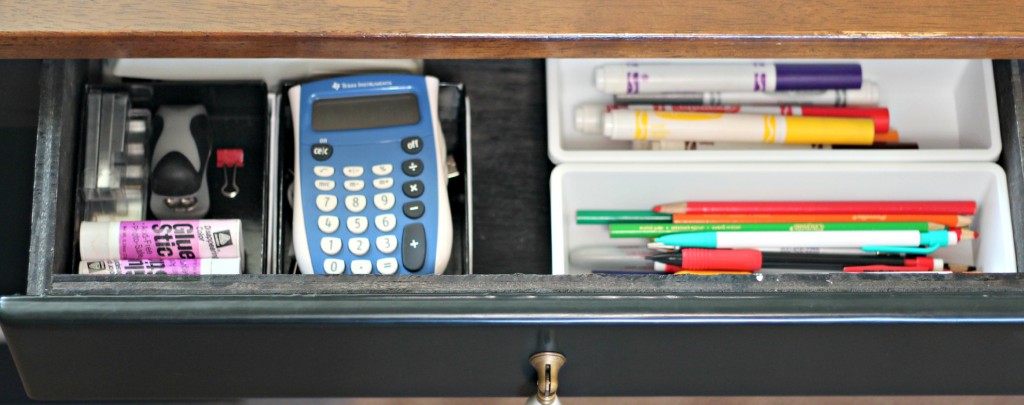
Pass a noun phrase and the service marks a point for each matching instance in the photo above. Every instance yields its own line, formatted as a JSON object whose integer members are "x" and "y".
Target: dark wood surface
{"x": 19, "y": 106}
{"x": 512, "y": 29}
{"x": 511, "y": 171}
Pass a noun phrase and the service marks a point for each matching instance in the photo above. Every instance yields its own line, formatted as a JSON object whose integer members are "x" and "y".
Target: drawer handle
{"x": 547, "y": 365}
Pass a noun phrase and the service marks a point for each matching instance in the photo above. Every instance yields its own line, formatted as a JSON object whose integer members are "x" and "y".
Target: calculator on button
{"x": 371, "y": 185}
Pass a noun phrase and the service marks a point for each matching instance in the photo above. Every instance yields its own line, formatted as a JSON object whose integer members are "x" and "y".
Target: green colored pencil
{"x": 649, "y": 230}
{"x": 600, "y": 217}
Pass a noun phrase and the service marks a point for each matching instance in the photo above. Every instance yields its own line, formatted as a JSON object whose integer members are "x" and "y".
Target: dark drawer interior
{"x": 508, "y": 309}
{"x": 511, "y": 232}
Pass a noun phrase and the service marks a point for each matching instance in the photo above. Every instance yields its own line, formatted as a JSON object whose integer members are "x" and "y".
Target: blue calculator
{"x": 370, "y": 193}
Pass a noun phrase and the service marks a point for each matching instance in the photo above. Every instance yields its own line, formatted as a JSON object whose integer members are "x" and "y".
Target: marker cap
{"x": 938, "y": 238}
{"x": 601, "y": 76}
{"x": 99, "y": 240}
{"x": 721, "y": 259}
{"x": 590, "y": 119}
{"x": 867, "y": 95}
{"x": 707, "y": 240}
{"x": 801, "y": 76}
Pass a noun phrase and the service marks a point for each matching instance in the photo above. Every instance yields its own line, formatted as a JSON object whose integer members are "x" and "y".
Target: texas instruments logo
{"x": 222, "y": 238}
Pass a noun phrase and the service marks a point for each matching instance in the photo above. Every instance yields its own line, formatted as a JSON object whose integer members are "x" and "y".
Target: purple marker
{"x": 635, "y": 78}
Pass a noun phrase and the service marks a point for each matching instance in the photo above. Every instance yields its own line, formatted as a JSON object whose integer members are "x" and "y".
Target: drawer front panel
{"x": 462, "y": 346}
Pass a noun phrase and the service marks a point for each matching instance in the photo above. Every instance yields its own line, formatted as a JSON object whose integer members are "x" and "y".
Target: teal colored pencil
{"x": 600, "y": 217}
{"x": 648, "y": 230}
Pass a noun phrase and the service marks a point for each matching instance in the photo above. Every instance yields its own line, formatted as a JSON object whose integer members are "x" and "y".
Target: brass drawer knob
{"x": 547, "y": 365}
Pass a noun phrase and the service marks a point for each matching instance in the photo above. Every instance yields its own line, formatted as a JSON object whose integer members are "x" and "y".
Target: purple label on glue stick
{"x": 178, "y": 239}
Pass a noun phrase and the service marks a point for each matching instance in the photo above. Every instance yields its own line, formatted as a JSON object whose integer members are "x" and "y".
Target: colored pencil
{"x": 630, "y": 230}
{"x": 831, "y": 239}
{"x": 599, "y": 217}
{"x": 952, "y": 221}
{"x": 819, "y": 207}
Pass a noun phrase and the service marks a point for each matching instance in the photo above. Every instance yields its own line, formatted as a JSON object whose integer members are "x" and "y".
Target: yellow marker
{"x": 743, "y": 128}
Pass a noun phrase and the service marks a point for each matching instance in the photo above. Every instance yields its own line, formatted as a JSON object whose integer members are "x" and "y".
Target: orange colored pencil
{"x": 952, "y": 221}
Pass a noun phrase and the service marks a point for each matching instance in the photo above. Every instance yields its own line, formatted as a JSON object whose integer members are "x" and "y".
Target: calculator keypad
{"x": 383, "y": 183}
{"x": 381, "y": 169}
{"x": 354, "y": 185}
{"x": 358, "y": 238}
{"x": 355, "y": 203}
{"x": 330, "y": 245}
{"x": 361, "y": 267}
{"x": 387, "y": 266}
{"x": 413, "y": 189}
{"x": 414, "y": 246}
{"x": 323, "y": 171}
{"x": 334, "y": 266}
{"x": 412, "y": 167}
{"x": 327, "y": 223}
{"x": 359, "y": 246}
{"x": 387, "y": 244}
{"x": 413, "y": 209}
{"x": 324, "y": 185}
{"x": 385, "y": 222}
{"x": 352, "y": 171}
{"x": 357, "y": 224}
{"x": 384, "y": 201}
{"x": 326, "y": 202}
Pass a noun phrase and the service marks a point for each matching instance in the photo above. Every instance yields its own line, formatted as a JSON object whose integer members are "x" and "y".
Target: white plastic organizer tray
{"x": 947, "y": 107}
{"x": 641, "y": 186}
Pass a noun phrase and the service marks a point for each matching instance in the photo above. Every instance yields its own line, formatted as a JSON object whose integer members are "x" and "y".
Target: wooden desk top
{"x": 512, "y": 29}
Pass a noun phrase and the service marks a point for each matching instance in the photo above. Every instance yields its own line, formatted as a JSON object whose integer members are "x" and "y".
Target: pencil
{"x": 599, "y": 217}
{"x": 631, "y": 230}
{"x": 952, "y": 221}
{"x": 819, "y": 207}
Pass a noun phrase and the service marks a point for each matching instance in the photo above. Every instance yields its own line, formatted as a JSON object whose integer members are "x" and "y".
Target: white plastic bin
{"x": 641, "y": 186}
{"x": 948, "y": 107}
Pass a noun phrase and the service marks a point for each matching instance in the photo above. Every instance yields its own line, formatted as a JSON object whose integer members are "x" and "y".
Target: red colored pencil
{"x": 819, "y": 207}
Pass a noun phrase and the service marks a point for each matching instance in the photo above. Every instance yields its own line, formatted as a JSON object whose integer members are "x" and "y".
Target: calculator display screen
{"x": 339, "y": 114}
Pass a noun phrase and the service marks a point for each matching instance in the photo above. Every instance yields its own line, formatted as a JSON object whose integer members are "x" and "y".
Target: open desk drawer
{"x": 279, "y": 335}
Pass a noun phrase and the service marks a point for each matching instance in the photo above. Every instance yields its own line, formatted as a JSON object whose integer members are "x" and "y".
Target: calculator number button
{"x": 412, "y": 167}
{"x": 413, "y": 189}
{"x": 324, "y": 185}
{"x": 384, "y": 201}
{"x": 330, "y": 245}
{"x": 414, "y": 247}
{"x": 387, "y": 244}
{"x": 357, "y": 225}
{"x": 359, "y": 246}
{"x": 387, "y": 266}
{"x": 361, "y": 267}
{"x": 382, "y": 169}
{"x": 383, "y": 183}
{"x": 322, "y": 151}
{"x": 355, "y": 203}
{"x": 385, "y": 222}
{"x": 412, "y": 145}
{"x": 353, "y": 185}
{"x": 413, "y": 209}
{"x": 352, "y": 171}
{"x": 327, "y": 223}
{"x": 323, "y": 171}
{"x": 334, "y": 266}
{"x": 326, "y": 202}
